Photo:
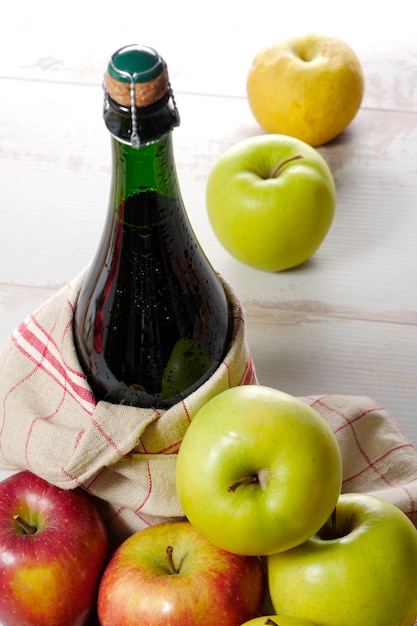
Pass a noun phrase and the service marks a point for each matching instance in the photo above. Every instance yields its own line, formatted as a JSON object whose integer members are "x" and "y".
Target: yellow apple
{"x": 309, "y": 87}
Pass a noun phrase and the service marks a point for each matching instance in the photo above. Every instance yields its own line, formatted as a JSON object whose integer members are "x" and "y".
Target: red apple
{"x": 53, "y": 550}
{"x": 170, "y": 574}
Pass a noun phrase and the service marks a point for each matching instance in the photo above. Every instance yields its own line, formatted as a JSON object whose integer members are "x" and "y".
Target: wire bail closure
{"x": 135, "y": 91}
{"x": 134, "y": 137}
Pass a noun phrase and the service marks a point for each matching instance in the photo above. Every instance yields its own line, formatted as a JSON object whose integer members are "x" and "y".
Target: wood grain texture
{"x": 346, "y": 321}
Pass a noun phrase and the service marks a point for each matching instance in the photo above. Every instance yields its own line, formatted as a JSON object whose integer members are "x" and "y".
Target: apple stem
{"x": 245, "y": 480}
{"x": 270, "y": 622}
{"x": 24, "y": 525}
{"x": 172, "y": 568}
{"x": 280, "y": 166}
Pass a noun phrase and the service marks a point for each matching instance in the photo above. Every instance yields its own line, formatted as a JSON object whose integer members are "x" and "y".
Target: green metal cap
{"x": 138, "y": 63}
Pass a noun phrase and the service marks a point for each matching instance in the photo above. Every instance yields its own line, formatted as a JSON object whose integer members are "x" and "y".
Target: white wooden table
{"x": 345, "y": 322}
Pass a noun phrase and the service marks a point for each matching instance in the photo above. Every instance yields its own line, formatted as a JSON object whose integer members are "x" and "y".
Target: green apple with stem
{"x": 360, "y": 568}
{"x": 170, "y": 574}
{"x": 271, "y": 200}
{"x": 258, "y": 470}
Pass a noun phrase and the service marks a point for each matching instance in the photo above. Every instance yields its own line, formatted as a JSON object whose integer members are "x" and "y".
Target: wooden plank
{"x": 16, "y": 303}
{"x": 55, "y": 183}
{"x": 303, "y": 353}
{"x": 210, "y": 48}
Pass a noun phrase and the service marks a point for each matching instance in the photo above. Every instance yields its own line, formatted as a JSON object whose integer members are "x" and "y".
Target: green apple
{"x": 277, "y": 620}
{"x": 170, "y": 574}
{"x": 271, "y": 201}
{"x": 258, "y": 470}
{"x": 361, "y": 568}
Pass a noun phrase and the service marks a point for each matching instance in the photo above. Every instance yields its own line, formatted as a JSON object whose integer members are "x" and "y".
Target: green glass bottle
{"x": 152, "y": 320}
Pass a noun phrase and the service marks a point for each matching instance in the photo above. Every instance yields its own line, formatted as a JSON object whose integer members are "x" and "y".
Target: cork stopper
{"x": 137, "y": 68}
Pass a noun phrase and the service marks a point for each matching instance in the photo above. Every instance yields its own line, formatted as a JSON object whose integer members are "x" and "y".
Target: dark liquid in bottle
{"x": 147, "y": 331}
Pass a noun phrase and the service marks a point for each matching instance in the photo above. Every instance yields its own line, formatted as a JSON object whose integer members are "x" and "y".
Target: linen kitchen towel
{"x": 377, "y": 456}
{"x": 51, "y": 424}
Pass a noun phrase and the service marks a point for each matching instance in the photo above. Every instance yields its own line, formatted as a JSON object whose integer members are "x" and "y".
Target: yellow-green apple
{"x": 277, "y": 620}
{"x": 258, "y": 470}
{"x": 309, "y": 87}
{"x": 53, "y": 550}
{"x": 271, "y": 200}
{"x": 170, "y": 574}
{"x": 360, "y": 568}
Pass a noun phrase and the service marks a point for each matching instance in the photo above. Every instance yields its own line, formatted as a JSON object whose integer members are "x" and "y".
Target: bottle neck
{"x": 150, "y": 167}
{"x": 146, "y": 124}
